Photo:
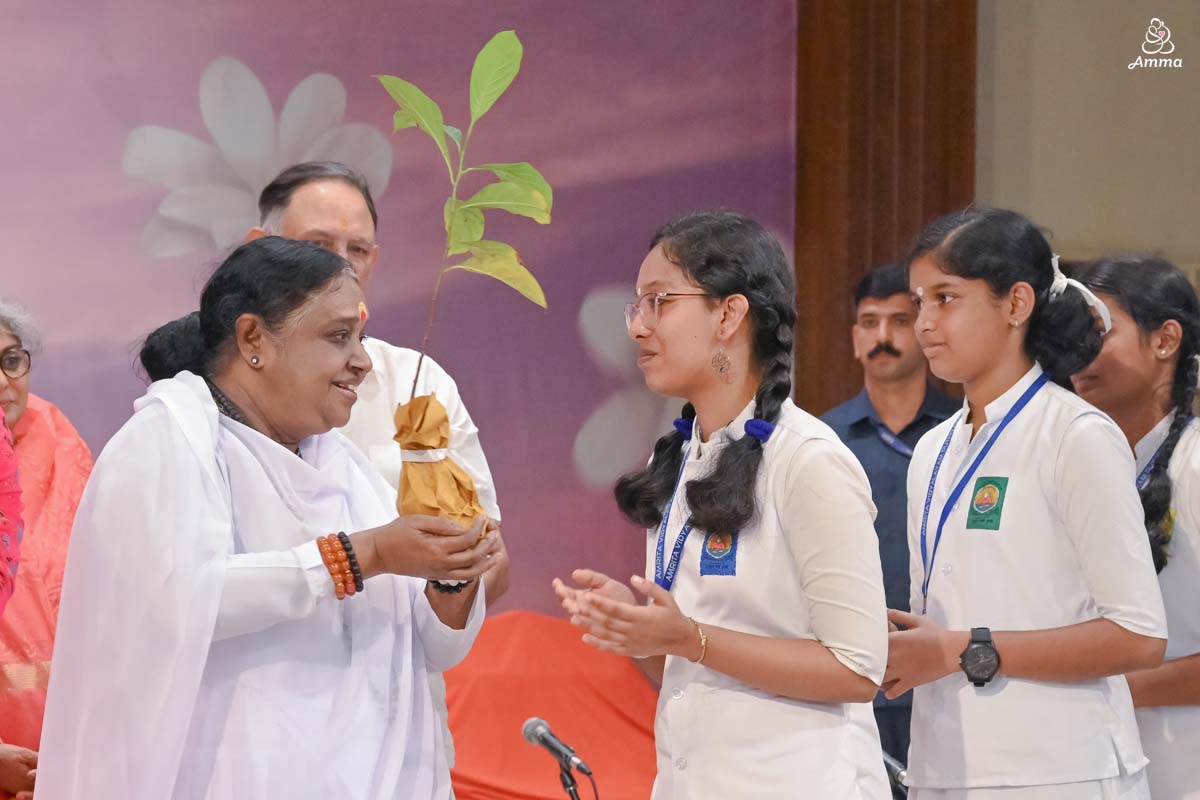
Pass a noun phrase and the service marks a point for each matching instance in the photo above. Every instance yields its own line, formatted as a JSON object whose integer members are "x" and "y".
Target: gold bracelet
{"x": 703, "y": 642}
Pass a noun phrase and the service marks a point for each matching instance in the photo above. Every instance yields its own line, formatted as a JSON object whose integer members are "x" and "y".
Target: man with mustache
{"x": 881, "y": 425}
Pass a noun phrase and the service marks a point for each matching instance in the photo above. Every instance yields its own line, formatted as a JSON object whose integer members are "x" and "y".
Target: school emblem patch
{"x": 718, "y": 545}
{"x": 719, "y": 555}
{"x": 987, "y": 504}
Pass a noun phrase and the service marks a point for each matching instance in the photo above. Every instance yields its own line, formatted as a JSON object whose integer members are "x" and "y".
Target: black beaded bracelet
{"x": 449, "y": 588}
{"x": 355, "y": 569}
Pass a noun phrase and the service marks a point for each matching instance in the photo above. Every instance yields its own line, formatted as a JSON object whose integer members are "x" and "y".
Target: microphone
{"x": 537, "y": 732}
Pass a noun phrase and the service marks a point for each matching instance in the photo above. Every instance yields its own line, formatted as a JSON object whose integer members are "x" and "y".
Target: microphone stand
{"x": 897, "y": 775}
{"x": 568, "y": 781}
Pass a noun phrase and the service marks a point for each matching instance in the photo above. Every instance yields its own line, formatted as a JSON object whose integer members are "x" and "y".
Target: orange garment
{"x": 526, "y": 665}
{"x": 10, "y": 516}
{"x": 54, "y": 466}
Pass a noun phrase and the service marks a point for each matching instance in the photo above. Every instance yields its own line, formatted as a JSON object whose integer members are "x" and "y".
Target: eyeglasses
{"x": 649, "y": 306}
{"x": 14, "y": 362}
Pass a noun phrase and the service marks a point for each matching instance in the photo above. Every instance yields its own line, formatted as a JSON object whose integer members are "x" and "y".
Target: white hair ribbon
{"x": 1060, "y": 284}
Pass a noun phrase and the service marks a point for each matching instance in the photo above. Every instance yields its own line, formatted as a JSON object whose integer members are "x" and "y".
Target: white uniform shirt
{"x": 807, "y": 567}
{"x": 1056, "y": 540}
{"x": 1171, "y": 734}
{"x": 372, "y": 427}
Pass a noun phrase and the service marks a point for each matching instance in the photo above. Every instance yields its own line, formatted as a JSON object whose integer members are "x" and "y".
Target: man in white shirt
{"x": 331, "y": 205}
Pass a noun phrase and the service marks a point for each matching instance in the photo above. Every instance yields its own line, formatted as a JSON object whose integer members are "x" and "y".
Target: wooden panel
{"x": 885, "y": 143}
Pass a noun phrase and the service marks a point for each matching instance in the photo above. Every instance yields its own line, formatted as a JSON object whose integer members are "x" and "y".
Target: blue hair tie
{"x": 760, "y": 429}
{"x": 684, "y": 426}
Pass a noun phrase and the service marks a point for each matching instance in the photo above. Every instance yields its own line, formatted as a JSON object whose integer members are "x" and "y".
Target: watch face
{"x": 980, "y": 661}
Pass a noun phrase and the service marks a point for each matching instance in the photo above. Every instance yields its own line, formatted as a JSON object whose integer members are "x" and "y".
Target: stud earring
{"x": 254, "y": 360}
{"x": 722, "y": 364}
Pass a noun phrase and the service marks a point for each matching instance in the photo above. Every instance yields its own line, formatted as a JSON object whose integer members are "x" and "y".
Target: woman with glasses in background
{"x": 55, "y": 464}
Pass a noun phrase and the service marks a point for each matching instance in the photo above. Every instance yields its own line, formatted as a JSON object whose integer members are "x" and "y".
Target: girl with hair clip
{"x": 765, "y": 620}
{"x": 1033, "y": 584}
{"x": 1145, "y": 379}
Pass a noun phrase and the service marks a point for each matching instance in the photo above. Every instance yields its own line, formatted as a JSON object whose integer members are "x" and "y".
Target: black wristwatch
{"x": 980, "y": 661}
{"x": 449, "y": 587}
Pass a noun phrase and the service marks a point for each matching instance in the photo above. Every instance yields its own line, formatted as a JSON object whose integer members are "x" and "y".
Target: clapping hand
{"x": 613, "y": 620}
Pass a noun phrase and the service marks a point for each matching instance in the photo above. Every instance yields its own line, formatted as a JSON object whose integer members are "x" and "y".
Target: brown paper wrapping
{"x": 436, "y": 488}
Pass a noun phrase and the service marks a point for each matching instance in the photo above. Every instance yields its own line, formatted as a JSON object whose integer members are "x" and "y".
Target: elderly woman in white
{"x": 243, "y": 615}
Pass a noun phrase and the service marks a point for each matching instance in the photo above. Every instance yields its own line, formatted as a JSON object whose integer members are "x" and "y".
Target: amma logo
{"x": 1157, "y": 44}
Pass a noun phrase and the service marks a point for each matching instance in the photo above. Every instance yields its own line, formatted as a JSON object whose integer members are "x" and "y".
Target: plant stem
{"x": 455, "y": 177}
{"x": 437, "y": 287}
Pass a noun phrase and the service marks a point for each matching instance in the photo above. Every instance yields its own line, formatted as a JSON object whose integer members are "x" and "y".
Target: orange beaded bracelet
{"x": 333, "y": 553}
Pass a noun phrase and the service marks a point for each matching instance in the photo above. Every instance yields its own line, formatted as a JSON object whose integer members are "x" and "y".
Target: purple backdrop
{"x": 634, "y": 111}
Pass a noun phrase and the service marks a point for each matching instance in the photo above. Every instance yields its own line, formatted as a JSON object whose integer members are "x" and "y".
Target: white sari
{"x": 200, "y": 650}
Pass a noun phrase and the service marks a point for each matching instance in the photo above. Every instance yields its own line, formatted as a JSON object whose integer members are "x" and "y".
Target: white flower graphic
{"x": 213, "y": 188}
{"x": 620, "y": 434}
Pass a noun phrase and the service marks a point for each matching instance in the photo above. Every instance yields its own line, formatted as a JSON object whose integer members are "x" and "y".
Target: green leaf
{"x": 466, "y": 229}
{"x": 455, "y": 134}
{"x": 501, "y": 262}
{"x": 523, "y": 174}
{"x": 425, "y": 113}
{"x": 401, "y": 120}
{"x": 513, "y": 198}
{"x": 495, "y": 67}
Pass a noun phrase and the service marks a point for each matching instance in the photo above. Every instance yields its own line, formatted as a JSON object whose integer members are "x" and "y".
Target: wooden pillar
{"x": 885, "y": 142}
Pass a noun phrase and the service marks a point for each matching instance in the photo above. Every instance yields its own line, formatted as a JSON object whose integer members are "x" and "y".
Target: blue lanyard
{"x": 892, "y": 440}
{"x": 1144, "y": 476}
{"x": 666, "y": 577}
{"x": 928, "y": 559}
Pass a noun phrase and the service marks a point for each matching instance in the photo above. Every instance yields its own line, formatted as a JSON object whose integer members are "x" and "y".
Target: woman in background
{"x": 1145, "y": 379}
{"x": 55, "y": 464}
{"x": 17, "y": 763}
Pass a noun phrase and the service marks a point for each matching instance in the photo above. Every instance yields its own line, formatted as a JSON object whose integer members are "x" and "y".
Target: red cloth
{"x": 529, "y": 665}
{"x": 55, "y": 465}
{"x": 10, "y": 516}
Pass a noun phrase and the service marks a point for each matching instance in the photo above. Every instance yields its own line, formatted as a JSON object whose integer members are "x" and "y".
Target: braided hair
{"x": 1152, "y": 291}
{"x": 725, "y": 254}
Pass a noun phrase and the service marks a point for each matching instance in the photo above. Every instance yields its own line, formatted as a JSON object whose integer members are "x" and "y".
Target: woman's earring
{"x": 722, "y": 364}
{"x": 254, "y": 360}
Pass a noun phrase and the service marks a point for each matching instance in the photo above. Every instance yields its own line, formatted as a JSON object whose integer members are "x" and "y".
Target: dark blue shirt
{"x": 855, "y": 424}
